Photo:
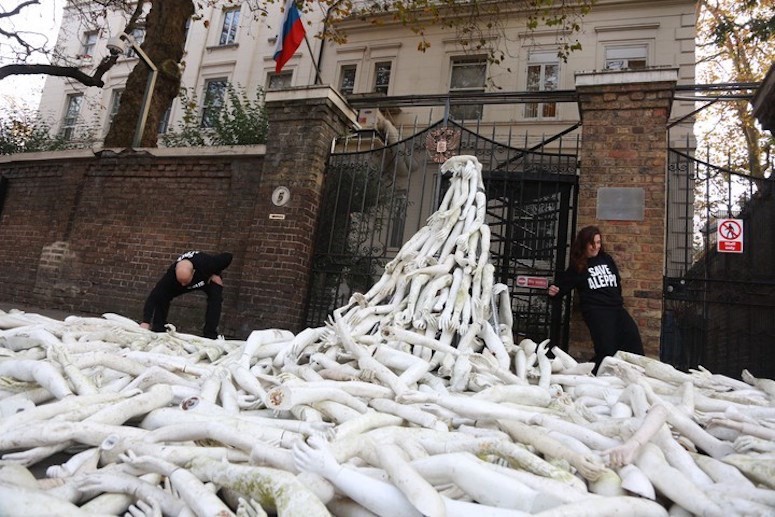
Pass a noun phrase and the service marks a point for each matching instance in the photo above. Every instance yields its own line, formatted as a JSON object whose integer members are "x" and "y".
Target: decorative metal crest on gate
{"x": 442, "y": 143}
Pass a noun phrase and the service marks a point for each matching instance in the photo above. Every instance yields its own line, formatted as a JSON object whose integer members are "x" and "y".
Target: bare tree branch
{"x": 18, "y": 8}
{"x": 27, "y": 47}
{"x": 59, "y": 71}
{"x": 93, "y": 79}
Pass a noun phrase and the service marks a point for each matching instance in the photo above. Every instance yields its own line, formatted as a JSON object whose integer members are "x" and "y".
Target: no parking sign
{"x": 729, "y": 236}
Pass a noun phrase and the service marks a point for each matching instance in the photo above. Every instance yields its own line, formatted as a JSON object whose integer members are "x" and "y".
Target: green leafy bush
{"x": 240, "y": 120}
{"x": 24, "y": 131}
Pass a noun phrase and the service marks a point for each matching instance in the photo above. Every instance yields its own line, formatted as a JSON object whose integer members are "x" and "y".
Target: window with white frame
{"x": 164, "y": 121}
{"x": 115, "y": 102}
{"x": 468, "y": 74}
{"x": 72, "y": 110}
{"x": 382, "y": 77}
{"x": 543, "y": 74}
{"x": 138, "y": 33}
{"x": 347, "y": 79}
{"x": 229, "y": 29}
{"x": 214, "y": 97}
{"x": 621, "y": 57}
{"x": 89, "y": 43}
{"x": 281, "y": 81}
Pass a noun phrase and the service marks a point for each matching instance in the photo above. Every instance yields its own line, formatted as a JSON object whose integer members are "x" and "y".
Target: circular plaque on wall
{"x": 281, "y": 196}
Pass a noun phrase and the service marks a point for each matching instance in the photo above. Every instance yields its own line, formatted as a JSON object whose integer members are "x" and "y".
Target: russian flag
{"x": 291, "y": 35}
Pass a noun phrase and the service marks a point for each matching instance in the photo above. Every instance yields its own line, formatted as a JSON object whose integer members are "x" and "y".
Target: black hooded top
{"x": 167, "y": 287}
{"x": 599, "y": 285}
{"x": 205, "y": 266}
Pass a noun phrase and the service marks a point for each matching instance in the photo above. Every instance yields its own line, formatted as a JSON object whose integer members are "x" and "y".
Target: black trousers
{"x": 612, "y": 329}
{"x": 214, "y": 294}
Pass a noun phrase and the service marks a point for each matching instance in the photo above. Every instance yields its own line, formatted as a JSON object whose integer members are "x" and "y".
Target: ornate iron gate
{"x": 719, "y": 306}
{"x": 375, "y": 199}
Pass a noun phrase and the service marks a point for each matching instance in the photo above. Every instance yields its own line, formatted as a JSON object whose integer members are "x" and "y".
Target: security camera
{"x": 117, "y": 46}
{"x": 120, "y": 44}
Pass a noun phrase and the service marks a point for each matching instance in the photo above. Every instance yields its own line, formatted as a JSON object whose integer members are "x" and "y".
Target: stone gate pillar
{"x": 302, "y": 125}
{"x": 622, "y": 184}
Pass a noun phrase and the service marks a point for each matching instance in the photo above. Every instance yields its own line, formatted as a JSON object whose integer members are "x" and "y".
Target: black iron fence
{"x": 719, "y": 284}
{"x": 377, "y": 196}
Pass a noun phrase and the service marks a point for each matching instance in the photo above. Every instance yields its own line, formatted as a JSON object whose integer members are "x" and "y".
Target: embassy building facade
{"x": 230, "y": 43}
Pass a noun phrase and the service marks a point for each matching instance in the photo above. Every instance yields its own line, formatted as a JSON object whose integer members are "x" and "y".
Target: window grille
{"x": 72, "y": 110}
{"x": 214, "y": 97}
{"x": 115, "y": 103}
{"x": 543, "y": 74}
{"x": 382, "y": 77}
{"x": 347, "y": 79}
{"x": 164, "y": 121}
{"x": 468, "y": 75}
{"x": 229, "y": 29}
{"x": 89, "y": 43}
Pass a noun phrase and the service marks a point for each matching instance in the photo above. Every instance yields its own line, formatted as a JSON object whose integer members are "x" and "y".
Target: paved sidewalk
{"x": 61, "y": 315}
{"x": 51, "y": 313}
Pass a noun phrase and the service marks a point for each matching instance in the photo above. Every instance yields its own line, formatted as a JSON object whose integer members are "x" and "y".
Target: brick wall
{"x": 92, "y": 234}
{"x": 624, "y": 134}
{"x": 303, "y": 124}
{"x": 36, "y": 215}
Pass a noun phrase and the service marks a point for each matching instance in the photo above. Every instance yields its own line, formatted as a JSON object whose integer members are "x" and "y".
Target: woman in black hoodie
{"x": 594, "y": 273}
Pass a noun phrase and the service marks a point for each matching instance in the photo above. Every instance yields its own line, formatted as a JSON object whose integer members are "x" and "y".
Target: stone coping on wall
{"x": 608, "y": 77}
{"x": 159, "y": 152}
{"x": 302, "y": 93}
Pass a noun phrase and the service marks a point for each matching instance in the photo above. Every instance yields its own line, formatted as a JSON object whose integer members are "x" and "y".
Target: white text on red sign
{"x": 729, "y": 236}
{"x": 730, "y": 246}
{"x": 533, "y": 282}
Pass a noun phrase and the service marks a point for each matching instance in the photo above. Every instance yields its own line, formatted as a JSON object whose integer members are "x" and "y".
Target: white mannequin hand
{"x": 315, "y": 456}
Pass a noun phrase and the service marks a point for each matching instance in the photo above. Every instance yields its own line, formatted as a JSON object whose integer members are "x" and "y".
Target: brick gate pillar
{"x": 302, "y": 125}
{"x": 622, "y": 184}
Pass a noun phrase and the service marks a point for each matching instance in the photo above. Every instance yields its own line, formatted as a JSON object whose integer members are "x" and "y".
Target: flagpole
{"x": 318, "y": 80}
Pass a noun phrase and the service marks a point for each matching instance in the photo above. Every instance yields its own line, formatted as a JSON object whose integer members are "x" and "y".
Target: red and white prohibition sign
{"x": 533, "y": 282}
{"x": 729, "y": 236}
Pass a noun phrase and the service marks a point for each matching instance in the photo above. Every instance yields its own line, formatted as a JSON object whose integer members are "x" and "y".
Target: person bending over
{"x": 594, "y": 273}
{"x": 192, "y": 271}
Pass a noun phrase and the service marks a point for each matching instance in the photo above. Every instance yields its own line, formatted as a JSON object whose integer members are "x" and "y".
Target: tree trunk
{"x": 164, "y": 44}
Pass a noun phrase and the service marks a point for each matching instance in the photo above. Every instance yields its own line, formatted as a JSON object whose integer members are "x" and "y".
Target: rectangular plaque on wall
{"x": 620, "y": 203}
